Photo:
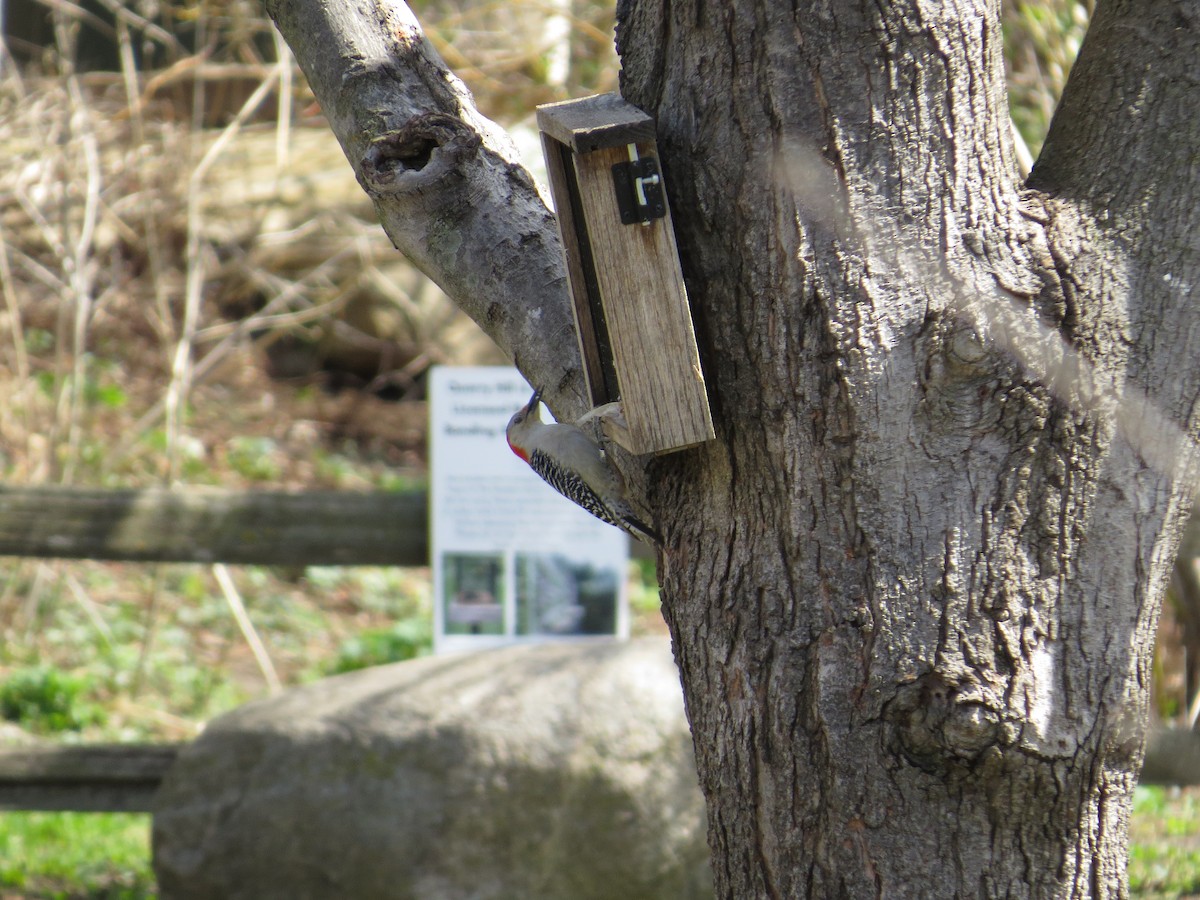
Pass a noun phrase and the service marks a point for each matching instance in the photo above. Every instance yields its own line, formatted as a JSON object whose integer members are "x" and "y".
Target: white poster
{"x": 512, "y": 559}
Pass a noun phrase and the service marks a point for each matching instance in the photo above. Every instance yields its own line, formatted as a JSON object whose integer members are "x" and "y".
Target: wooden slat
{"x": 203, "y": 526}
{"x": 663, "y": 395}
{"x": 87, "y": 778}
{"x": 591, "y": 123}
{"x": 580, "y": 271}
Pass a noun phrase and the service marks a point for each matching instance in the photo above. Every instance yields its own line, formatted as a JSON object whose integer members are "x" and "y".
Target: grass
{"x": 103, "y": 856}
{"x": 1164, "y": 834}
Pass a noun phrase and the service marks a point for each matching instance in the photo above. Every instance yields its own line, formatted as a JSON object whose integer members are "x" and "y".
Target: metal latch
{"x": 639, "y": 189}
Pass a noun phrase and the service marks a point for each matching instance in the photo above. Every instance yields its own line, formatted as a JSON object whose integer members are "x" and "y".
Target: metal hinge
{"x": 639, "y": 189}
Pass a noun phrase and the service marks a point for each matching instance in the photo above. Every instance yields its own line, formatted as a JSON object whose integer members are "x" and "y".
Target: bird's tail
{"x": 641, "y": 530}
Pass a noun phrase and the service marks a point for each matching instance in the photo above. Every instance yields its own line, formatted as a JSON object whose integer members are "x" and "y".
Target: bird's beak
{"x": 535, "y": 399}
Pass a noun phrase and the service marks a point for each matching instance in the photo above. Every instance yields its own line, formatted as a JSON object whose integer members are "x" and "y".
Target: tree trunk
{"x": 913, "y": 584}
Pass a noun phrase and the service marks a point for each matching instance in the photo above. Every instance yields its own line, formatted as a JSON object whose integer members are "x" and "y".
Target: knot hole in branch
{"x": 422, "y": 151}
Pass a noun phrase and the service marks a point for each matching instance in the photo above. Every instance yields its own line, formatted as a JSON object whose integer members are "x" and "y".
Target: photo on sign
{"x": 473, "y": 593}
{"x": 556, "y": 595}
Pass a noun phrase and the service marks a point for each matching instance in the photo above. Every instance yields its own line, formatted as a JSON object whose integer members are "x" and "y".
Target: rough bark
{"x": 912, "y": 584}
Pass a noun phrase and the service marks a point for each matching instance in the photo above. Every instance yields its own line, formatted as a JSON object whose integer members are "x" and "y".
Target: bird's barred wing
{"x": 571, "y": 486}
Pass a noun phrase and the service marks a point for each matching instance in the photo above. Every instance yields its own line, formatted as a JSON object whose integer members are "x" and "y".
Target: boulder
{"x": 557, "y": 771}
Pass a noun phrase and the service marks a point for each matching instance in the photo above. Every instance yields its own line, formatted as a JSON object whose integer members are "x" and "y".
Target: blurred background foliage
{"x": 193, "y": 289}
{"x": 1041, "y": 41}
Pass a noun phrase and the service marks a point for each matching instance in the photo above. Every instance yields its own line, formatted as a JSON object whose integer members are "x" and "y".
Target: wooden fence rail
{"x": 270, "y": 528}
{"x": 86, "y": 778}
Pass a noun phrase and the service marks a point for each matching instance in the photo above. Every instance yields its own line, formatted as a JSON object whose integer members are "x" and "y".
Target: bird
{"x": 575, "y": 466}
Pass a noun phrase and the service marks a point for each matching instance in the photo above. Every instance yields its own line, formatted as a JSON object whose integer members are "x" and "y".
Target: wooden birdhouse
{"x": 631, "y": 308}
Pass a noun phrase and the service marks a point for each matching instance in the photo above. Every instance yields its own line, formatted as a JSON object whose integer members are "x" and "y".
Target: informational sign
{"x": 513, "y": 560}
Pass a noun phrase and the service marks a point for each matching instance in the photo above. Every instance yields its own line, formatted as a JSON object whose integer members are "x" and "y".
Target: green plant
{"x": 379, "y": 646}
{"x": 44, "y": 699}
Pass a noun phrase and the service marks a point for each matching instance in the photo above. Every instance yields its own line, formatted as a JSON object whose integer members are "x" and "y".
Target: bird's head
{"x": 518, "y": 426}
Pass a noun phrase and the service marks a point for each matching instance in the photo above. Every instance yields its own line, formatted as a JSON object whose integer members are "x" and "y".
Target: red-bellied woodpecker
{"x": 575, "y": 466}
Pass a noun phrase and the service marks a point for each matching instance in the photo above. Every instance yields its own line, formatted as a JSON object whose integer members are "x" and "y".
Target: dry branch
{"x": 446, "y": 181}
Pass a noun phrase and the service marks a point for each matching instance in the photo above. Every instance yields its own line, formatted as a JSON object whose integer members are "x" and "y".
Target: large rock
{"x": 560, "y": 771}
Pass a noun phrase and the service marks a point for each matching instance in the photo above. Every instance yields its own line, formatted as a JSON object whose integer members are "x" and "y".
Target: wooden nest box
{"x": 631, "y": 308}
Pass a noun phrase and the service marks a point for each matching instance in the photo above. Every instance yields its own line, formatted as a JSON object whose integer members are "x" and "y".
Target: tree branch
{"x": 1133, "y": 95}
{"x": 1118, "y": 170}
{"x": 446, "y": 182}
